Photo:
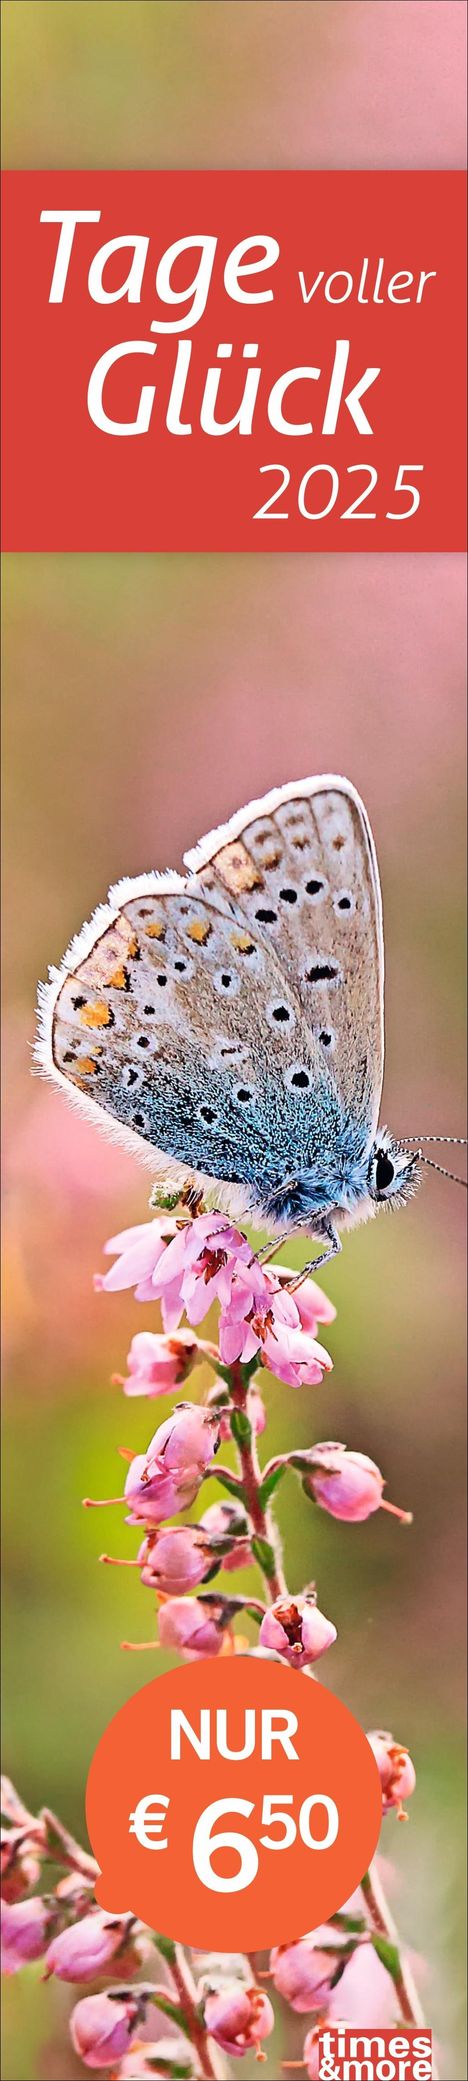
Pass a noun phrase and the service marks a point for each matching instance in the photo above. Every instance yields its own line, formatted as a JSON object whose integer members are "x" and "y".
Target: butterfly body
{"x": 229, "y": 1023}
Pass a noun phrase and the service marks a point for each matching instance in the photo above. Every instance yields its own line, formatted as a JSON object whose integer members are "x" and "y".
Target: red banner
{"x": 232, "y": 361}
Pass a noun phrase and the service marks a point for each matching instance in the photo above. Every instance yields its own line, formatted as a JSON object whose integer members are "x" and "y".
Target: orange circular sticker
{"x": 232, "y": 1805}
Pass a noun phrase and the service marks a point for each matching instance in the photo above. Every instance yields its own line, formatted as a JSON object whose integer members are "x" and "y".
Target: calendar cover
{"x": 234, "y": 371}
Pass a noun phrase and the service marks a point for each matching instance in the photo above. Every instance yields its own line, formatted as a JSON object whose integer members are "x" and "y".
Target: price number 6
{"x": 206, "y": 1841}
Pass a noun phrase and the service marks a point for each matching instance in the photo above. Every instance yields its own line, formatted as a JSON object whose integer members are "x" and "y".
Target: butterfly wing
{"x": 300, "y": 866}
{"x": 176, "y": 1020}
{"x": 230, "y": 1024}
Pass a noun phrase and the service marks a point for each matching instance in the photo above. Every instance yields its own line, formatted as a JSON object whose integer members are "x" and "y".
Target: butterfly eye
{"x": 384, "y": 1171}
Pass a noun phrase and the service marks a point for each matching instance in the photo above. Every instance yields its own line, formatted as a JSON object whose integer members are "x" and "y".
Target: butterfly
{"x": 229, "y": 1023}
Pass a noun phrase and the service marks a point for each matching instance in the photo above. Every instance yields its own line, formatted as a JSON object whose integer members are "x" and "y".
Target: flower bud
{"x": 193, "y": 1627}
{"x": 297, "y": 1629}
{"x": 157, "y": 1363}
{"x": 238, "y": 2018}
{"x": 167, "y": 1477}
{"x": 99, "y": 1943}
{"x": 347, "y": 1484}
{"x": 396, "y": 1771}
{"x": 227, "y": 1527}
{"x": 176, "y": 1559}
{"x": 25, "y": 1928}
{"x": 103, "y": 2025}
{"x": 305, "y": 1972}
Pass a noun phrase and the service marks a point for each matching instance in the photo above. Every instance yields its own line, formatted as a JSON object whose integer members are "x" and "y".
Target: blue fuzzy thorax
{"x": 336, "y": 1176}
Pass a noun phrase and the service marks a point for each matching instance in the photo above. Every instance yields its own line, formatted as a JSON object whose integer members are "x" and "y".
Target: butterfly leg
{"x": 325, "y": 1256}
{"x": 270, "y": 1250}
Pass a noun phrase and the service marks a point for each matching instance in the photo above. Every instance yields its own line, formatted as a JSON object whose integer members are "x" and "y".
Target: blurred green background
{"x": 145, "y": 698}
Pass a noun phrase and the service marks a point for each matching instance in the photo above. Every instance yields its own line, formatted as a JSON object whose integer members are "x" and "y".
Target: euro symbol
{"x": 148, "y": 1820}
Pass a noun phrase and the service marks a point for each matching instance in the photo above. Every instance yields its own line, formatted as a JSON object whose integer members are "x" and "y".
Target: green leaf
{"x": 264, "y": 1555}
{"x": 251, "y": 1368}
{"x": 165, "y": 1946}
{"x": 270, "y": 1483}
{"x": 230, "y": 1482}
{"x": 389, "y": 1956}
{"x": 241, "y": 1428}
{"x": 352, "y": 1924}
{"x": 224, "y": 1373}
{"x": 171, "y": 2009}
{"x": 211, "y": 1572}
{"x": 174, "y": 2068}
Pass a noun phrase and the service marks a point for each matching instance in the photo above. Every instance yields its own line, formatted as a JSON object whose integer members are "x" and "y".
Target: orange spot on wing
{"x": 199, "y": 931}
{"x": 243, "y": 943}
{"x": 155, "y": 930}
{"x": 119, "y": 979}
{"x": 86, "y": 1066}
{"x": 96, "y": 1014}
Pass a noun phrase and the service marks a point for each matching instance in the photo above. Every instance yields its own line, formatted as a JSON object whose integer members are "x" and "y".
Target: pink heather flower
{"x": 347, "y": 1484}
{"x": 192, "y": 1627}
{"x": 305, "y": 1972}
{"x": 138, "y": 1251}
{"x": 157, "y": 1363}
{"x": 198, "y": 1267}
{"x": 20, "y": 1864}
{"x": 396, "y": 1771}
{"x": 103, "y": 2025}
{"x": 25, "y": 1931}
{"x": 366, "y": 1994}
{"x": 226, "y": 1525}
{"x": 297, "y": 1630}
{"x": 262, "y": 1317}
{"x": 312, "y": 1304}
{"x": 238, "y": 2018}
{"x": 99, "y": 1943}
{"x": 167, "y": 1477}
{"x": 175, "y": 1560}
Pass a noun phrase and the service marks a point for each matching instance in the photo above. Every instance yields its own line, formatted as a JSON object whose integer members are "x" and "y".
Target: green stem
{"x": 262, "y": 1523}
{"x": 384, "y": 1926}
{"x": 187, "y": 1997}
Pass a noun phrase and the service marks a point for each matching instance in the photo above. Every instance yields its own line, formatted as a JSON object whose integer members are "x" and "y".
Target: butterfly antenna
{"x": 440, "y": 1167}
{"x": 459, "y": 1140}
